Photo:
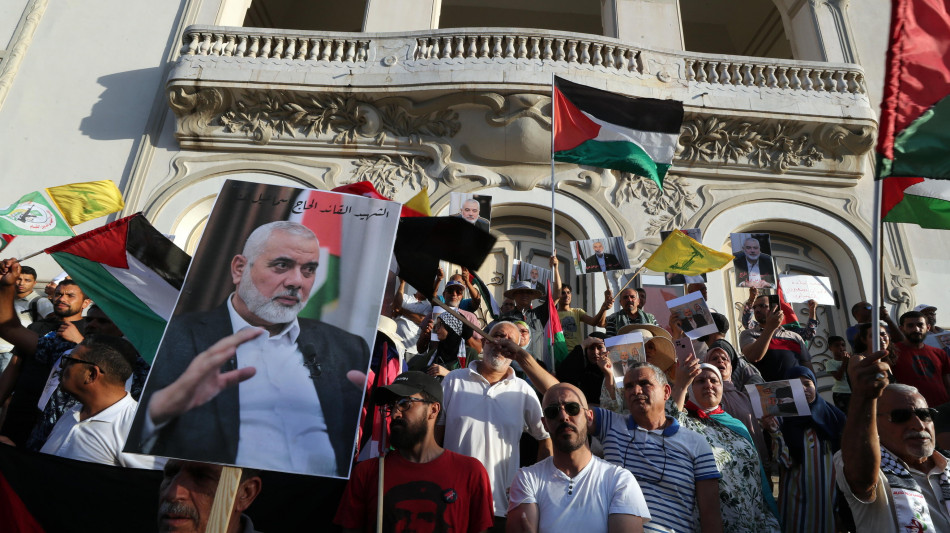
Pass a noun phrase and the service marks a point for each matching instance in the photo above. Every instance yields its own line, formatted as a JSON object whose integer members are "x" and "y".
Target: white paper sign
{"x": 799, "y": 289}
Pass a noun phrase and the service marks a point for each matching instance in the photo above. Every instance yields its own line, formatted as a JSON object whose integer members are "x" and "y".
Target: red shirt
{"x": 923, "y": 368}
{"x": 450, "y": 493}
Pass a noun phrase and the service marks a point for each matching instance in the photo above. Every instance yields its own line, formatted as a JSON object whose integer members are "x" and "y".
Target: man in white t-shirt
{"x": 573, "y": 490}
{"x": 95, "y": 430}
{"x": 486, "y": 409}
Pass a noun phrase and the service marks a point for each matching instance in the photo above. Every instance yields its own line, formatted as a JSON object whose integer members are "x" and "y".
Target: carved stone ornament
{"x": 776, "y": 145}
{"x": 390, "y": 174}
{"x": 668, "y": 208}
{"x": 264, "y": 116}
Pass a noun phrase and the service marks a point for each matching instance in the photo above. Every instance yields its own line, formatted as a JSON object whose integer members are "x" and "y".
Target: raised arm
{"x": 688, "y": 371}
{"x": 860, "y": 448}
{"x": 540, "y": 378}
{"x": 473, "y": 292}
{"x": 600, "y": 319}
{"x": 755, "y": 351}
{"x": 11, "y": 328}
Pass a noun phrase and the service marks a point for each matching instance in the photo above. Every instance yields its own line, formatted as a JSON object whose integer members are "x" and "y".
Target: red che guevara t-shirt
{"x": 450, "y": 493}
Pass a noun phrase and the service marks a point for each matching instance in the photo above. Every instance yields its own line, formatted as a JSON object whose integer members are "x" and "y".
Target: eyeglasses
{"x": 455, "y": 289}
{"x": 66, "y": 360}
{"x": 571, "y": 408}
{"x": 899, "y": 416}
{"x": 402, "y": 404}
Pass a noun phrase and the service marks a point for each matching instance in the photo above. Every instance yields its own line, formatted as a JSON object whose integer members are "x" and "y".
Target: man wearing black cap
{"x": 426, "y": 487}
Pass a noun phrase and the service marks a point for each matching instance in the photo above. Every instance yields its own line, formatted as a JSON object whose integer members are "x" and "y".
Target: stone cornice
{"x": 723, "y": 144}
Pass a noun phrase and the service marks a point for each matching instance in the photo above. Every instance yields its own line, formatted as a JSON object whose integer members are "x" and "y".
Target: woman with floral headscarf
{"x": 804, "y": 447}
{"x": 745, "y": 492}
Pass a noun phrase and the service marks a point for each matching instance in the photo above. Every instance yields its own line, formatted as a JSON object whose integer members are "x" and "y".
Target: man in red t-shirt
{"x": 919, "y": 365}
{"x": 426, "y": 488}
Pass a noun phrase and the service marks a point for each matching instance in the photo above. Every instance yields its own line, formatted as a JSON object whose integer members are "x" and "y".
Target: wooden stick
{"x": 379, "y": 485}
{"x": 629, "y": 281}
{"x": 224, "y": 499}
{"x": 456, "y": 314}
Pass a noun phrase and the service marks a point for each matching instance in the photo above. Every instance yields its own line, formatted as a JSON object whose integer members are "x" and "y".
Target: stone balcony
{"x": 314, "y": 92}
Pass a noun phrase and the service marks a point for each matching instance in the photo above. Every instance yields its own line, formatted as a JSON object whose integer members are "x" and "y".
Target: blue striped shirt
{"x": 667, "y": 464}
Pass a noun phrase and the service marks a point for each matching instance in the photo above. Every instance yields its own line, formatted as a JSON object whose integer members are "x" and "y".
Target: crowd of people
{"x": 493, "y": 432}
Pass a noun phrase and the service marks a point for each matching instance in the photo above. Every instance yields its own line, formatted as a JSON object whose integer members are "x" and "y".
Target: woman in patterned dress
{"x": 744, "y": 491}
{"x": 804, "y": 447}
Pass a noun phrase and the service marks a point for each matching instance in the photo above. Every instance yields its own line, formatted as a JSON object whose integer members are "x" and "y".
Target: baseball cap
{"x": 921, "y": 307}
{"x": 454, "y": 283}
{"x": 407, "y": 384}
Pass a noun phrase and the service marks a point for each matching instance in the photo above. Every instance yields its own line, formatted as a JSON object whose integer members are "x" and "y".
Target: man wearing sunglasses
{"x": 95, "y": 429}
{"x": 888, "y": 468}
{"x": 573, "y": 490}
{"x": 426, "y": 488}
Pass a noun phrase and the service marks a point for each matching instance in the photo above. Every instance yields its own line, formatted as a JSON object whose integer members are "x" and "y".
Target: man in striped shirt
{"x": 674, "y": 466}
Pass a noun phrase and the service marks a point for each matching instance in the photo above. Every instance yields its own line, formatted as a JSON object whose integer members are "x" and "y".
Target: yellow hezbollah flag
{"x": 79, "y": 202}
{"x": 680, "y": 254}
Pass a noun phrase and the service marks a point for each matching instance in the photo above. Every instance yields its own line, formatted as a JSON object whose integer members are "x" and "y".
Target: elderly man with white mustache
{"x": 486, "y": 409}
{"x": 888, "y": 468}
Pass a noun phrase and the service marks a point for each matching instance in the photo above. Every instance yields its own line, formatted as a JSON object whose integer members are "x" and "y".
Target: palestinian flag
{"x": 493, "y": 308}
{"x": 5, "y": 240}
{"x": 915, "y": 116}
{"x": 417, "y": 206}
{"x": 554, "y": 333}
{"x": 130, "y": 270}
{"x": 608, "y": 130}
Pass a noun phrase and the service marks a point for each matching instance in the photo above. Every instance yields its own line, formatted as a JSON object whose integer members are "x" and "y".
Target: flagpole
{"x": 32, "y": 255}
{"x": 553, "y": 248}
{"x": 876, "y": 296}
{"x": 633, "y": 277}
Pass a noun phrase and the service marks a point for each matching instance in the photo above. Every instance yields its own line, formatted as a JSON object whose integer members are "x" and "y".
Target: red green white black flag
{"x": 913, "y": 156}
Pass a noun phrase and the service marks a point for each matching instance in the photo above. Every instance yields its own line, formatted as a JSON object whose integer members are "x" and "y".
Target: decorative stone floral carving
{"x": 669, "y": 208}
{"x": 390, "y": 174}
{"x": 778, "y": 145}
{"x": 336, "y": 118}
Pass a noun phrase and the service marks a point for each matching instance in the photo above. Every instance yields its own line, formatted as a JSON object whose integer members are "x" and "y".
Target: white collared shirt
{"x": 282, "y": 423}
{"x": 485, "y": 421}
{"x": 99, "y": 438}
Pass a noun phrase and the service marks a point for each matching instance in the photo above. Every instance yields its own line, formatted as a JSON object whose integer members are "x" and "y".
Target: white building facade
{"x": 171, "y": 99}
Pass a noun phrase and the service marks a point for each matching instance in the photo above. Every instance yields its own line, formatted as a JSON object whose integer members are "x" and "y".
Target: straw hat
{"x": 523, "y": 286}
{"x": 387, "y": 327}
{"x": 665, "y": 353}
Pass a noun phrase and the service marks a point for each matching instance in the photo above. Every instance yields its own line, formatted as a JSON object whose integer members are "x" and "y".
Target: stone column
{"x": 818, "y": 30}
{"x": 401, "y": 15}
{"x": 653, "y": 22}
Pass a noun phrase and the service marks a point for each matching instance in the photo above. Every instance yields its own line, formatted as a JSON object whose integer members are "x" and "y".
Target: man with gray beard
{"x": 485, "y": 409}
{"x": 279, "y": 401}
{"x": 888, "y": 468}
